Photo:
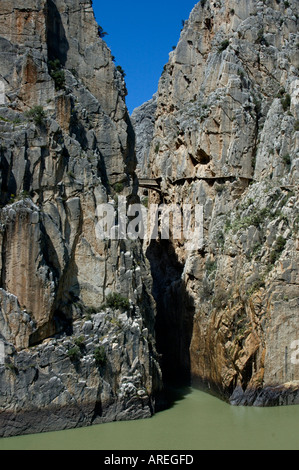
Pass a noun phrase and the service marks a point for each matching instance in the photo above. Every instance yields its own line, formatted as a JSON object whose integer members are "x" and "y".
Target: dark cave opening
{"x": 175, "y": 311}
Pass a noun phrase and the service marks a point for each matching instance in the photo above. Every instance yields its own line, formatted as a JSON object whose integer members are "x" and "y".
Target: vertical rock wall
{"x": 66, "y": 147}
{"x": 226, "y": 138}
{"x": 77, "y": 316}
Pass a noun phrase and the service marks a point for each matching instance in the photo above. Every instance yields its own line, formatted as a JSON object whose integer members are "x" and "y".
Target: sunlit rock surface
{"x": 226, "y": 138}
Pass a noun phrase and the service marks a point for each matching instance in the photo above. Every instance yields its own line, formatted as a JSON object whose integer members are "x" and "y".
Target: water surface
{"x": 197, "y": 421}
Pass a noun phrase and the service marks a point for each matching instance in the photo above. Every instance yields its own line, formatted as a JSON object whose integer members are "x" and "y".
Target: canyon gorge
{"x": 94, "y": 330}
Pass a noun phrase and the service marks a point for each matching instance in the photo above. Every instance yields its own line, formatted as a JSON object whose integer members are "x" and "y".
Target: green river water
{"x": 196, "y": 421}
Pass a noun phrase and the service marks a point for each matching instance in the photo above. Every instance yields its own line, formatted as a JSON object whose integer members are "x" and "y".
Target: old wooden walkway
{"x": 147, "y": 183}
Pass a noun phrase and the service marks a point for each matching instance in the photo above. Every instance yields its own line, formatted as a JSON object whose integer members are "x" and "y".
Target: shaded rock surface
{"x": 66, "y": 147}
{"x": 100, "y": 373}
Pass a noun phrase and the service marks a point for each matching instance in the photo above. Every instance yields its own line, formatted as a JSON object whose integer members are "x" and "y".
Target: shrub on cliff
{"x": 74, "y": 353}
{"x": 37, "y": 115}
{"x": 224, "y": 45}
{"x": 118, "y": 187}
{"x": 116, "y": 301}
{"x": 101, "y": 32}
{"x": 121, "y": 70}
{"x": 278, "y": 249}
{"x": 286, "y": 102}
{"x": 56, "y": 72}
{"x": 100, "y": 356}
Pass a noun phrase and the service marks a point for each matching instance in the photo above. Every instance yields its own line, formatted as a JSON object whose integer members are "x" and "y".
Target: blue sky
{"x": 141, "y": 35}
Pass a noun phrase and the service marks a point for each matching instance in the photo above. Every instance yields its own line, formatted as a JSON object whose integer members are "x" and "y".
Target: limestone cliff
{"x": 226, "y": 138}
{"x": 66, "y": 147}
{"x": 143, "y": 122}
{"x": 81, "y": 337}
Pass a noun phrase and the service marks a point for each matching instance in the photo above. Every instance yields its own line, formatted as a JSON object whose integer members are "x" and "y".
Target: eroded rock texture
{"x": 66, "y": 147}
{"x": 143, "y": 121}
{"x": 221, "y": 132}
{"x": 226, "y": 137}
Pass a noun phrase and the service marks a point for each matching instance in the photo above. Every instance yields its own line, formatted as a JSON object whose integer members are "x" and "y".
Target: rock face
{"x": 100, "y": 373}
{"x": 89, "y": 327}
{"x": 143, "y": 122}
{"x": 226, "y": 138}
{"x": 67, "y": 146}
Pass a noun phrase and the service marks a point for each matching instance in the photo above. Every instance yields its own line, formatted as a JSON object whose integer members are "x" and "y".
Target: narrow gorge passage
{"x": 86, "y": 322}
{"x": 175, "y": 311}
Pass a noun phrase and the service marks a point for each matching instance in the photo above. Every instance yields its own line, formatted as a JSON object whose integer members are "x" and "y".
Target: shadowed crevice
{"x": 57, "y": 42}
{"x": 175, "y": 311}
